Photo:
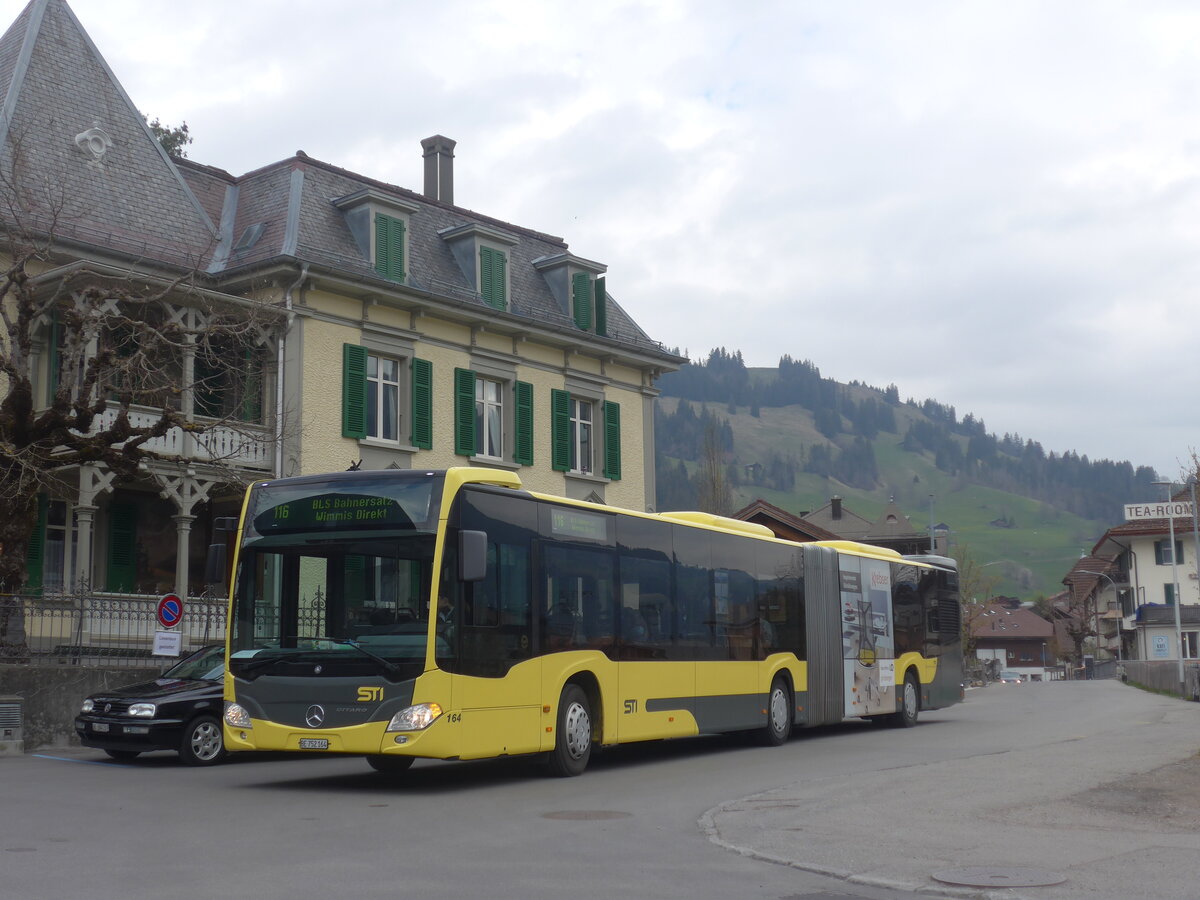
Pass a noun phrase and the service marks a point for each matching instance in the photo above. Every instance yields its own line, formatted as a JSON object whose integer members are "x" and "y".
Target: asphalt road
{"x": 830, "y": 814}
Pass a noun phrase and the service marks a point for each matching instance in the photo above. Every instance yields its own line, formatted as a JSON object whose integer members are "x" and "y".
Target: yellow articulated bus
{"x": 453, "y": 615}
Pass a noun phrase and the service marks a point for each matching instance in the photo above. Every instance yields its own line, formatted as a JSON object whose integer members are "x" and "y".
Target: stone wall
{"x": 51, "y": 696}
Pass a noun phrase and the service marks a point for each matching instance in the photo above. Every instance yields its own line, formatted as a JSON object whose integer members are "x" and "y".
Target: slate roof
{"x": 1011, "y": 624}
{"x": 56, "y": 86}
{"x": 139, "y": 202}
{"x": 849, "y": 525}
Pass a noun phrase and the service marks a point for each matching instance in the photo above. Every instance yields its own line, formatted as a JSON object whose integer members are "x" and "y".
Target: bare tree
{"x": 714, "y": 493}
{"x": 97, "y": 363}
{"x": 976, "y": 588}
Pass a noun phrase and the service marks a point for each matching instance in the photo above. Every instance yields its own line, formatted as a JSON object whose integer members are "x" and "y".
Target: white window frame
{"x": 1190, "y": 641}
{"x": 376, "y": 392}
{"x": 583, "y": 436}
{"x": 484, "y": 405}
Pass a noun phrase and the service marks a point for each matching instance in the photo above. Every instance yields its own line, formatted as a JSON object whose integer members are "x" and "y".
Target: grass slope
{"x": 1027, "y": 560}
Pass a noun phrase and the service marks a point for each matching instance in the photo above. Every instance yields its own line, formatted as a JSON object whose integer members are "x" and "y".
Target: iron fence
{"x": 91, "y": 628}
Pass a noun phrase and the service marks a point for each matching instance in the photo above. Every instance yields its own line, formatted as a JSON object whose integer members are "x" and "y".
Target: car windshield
{"x": 1010, "y": 675}
{"x": 207, "y": 664}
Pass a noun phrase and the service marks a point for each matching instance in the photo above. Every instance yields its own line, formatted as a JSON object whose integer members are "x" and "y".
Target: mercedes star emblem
{"x": 314, "y": 716}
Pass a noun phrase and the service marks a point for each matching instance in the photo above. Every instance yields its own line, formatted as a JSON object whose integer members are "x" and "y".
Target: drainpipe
{"x": 287, "y": 305}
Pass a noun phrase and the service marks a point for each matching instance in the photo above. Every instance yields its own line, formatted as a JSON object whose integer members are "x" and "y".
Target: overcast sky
{"x": 996, "y": 205}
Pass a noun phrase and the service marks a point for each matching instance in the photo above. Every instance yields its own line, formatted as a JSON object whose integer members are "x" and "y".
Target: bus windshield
{"x": 333, "y": 607}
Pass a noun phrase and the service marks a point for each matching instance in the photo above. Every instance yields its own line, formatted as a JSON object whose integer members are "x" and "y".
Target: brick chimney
{"x": 439, "y": 168}
{"x": 835, "y": 508}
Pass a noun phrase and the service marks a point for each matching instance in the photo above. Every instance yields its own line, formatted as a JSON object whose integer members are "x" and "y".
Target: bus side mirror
{"x": 472, "y": 555}
{"x": 216, "y": 564}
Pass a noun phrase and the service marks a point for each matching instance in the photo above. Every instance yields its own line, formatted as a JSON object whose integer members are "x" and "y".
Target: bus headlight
{"x": 236, "y": 716}
{"x": 415, "y": 718}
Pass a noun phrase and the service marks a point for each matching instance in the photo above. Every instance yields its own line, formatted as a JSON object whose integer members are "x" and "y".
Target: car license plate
{"x": 99, "y": 727}
{"x": 314, "y": 743}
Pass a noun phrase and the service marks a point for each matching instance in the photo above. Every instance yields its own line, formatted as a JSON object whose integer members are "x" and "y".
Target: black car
{"x": 180, "y": 710}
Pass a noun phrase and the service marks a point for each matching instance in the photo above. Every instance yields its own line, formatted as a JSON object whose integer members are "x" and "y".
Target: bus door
{"x": 486, "y": 636}
{"x": 868, "y": 649}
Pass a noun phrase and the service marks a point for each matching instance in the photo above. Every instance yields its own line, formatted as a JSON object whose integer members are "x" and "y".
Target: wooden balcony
{"x": 244, "y": 445}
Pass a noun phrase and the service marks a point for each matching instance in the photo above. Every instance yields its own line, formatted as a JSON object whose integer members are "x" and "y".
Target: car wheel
{"x": 203, "y": 743}
{"x": 908, "y": 704}
{"x": 123, "y": 755}
{"x": 573, "y": 739}
{"x": 390, "y": 765}
{"x": 779, "y": 715}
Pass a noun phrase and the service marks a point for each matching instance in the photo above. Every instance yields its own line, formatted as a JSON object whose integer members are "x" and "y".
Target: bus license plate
{"x": 314, "y": 743}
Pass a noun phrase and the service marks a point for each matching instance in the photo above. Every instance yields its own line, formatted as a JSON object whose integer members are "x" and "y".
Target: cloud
{"x": 994, "y": 205}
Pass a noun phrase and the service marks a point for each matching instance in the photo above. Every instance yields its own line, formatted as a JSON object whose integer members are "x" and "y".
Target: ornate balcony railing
{"x": 244, "y": 445}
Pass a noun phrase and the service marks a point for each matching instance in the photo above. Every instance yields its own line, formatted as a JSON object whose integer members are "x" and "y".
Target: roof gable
{"x": 68, "y": 123}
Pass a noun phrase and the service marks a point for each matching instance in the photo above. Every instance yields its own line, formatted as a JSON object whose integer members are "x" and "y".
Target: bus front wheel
{"x": 388, "y": 764}
{"x": 908, "y": 704}
{"x": 573, "y": 739}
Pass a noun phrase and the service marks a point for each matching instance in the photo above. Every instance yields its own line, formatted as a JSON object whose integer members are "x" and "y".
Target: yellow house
{"x": 402, "y": 330}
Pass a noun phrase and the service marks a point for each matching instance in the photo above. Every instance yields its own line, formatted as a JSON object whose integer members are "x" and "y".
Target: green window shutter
{"x": 560, "y": 431}
{"x": 389, "y": 247}
{"x": 523, "y": 423}
{"x": 485, "y": 275}
{"x": 601, "y": 308}
{"x": 581, "y": 290}
{"x": 354, "y": 391}
{"x": 464, "y": 412}
{"x": 251, "y": 406}
{"x": 52, "y": 362}
{"x": 122, "y": 547}
{"x": 35, "y": 552}
{"x": 422, "y": 404}
{"x": 612, "y": 440}
{"x": 492, "y": 268}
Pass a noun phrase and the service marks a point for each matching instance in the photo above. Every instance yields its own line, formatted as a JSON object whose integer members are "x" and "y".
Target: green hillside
{"x": 1029, "y": 557}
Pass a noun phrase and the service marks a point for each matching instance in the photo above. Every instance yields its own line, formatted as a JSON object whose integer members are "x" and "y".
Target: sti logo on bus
{"x": 367, "y": 694}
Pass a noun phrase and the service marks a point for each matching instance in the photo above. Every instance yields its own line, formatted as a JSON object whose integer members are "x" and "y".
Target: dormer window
{"x": 482, "y": 252}
{"x": 578, "y": 285}
{"x": 380, "y": 225}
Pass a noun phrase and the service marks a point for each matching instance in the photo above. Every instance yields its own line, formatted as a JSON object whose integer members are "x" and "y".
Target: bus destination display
{"x": 331, "y": 511}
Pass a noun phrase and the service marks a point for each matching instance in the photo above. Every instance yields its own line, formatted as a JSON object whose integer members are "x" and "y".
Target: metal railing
{"x": 90, "y": 628}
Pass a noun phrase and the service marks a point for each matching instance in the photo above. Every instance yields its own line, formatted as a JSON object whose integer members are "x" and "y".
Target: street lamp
{"x": 1174, "y": 585}
{"x": 1117, "y": 597}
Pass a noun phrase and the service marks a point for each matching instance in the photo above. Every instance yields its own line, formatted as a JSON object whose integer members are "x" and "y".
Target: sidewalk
{"x": 1118, "y": 824}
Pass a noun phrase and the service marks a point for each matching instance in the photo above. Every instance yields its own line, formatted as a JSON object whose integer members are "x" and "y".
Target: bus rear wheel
{"x": 908, "y": 704}
{"x": 779, "y": 715}
{"x": 573, "y": 738}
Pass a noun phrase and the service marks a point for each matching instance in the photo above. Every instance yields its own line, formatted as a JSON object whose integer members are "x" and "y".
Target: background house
{"x": 1009, "y": 636}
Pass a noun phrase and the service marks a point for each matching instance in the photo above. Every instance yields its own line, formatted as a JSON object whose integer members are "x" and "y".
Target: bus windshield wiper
{"x": 393, "y": 671}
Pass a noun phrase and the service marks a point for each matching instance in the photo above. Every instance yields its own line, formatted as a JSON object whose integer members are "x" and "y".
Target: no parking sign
{"x": 170, "y": 610}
